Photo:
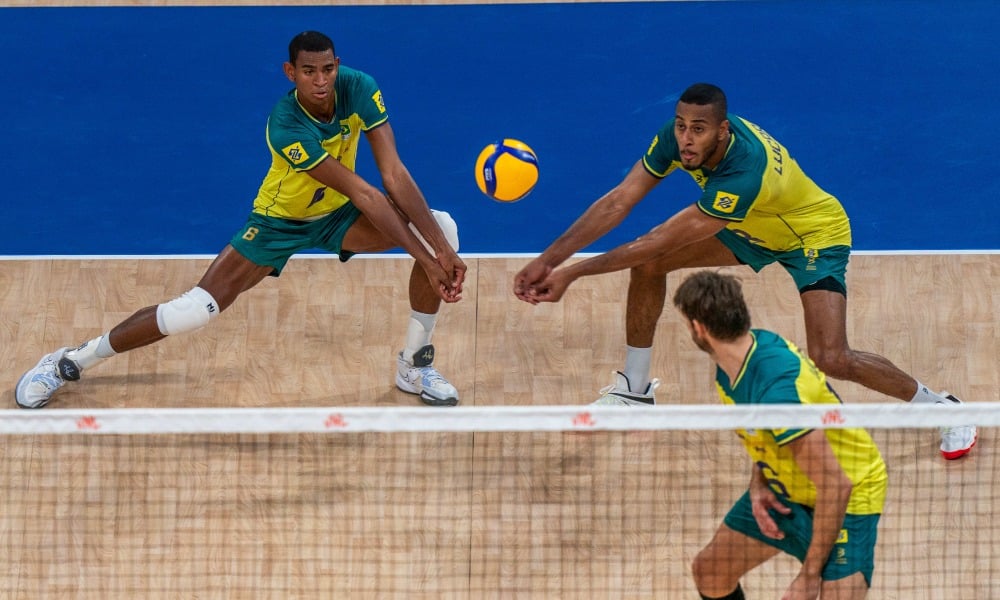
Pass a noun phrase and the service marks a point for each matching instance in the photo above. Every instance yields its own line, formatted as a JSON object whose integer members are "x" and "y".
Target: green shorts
{"x": 270, "y": 241}
{"x": 853, "y": 553}
{"x": 806, "y": 266}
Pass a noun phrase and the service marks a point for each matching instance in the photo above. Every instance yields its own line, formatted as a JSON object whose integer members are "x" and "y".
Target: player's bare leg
{"x": 730, "y": 555}
{"x": 228, "y": 276}
{"x": 853, "y": 587}
{"x": 415, "y": 372}
{"x": 826, "y": 337}
{"x": 647, "y": 293}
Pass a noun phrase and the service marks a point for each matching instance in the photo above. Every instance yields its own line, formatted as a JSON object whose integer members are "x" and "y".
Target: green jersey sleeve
{"x": 662, "y": 157}
{"x": 363, "y": 96}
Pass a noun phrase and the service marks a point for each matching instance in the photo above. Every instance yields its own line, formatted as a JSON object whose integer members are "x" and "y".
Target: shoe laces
{"x": 430, "y": 374}
{"x": 49, "y": 377}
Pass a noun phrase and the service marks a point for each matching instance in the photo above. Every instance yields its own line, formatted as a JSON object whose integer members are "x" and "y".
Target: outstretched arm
{"x": 601, "y": 217}
{"x": 405, "y": 194}
{"x": 386, "y": 218}
{"x": 686, "y": 227}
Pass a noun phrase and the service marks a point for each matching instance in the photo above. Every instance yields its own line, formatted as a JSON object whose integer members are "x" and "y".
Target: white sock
{"x": 418, "y": 332}
{"x": 637, "y": 368}
{"x": 92, "y": 352}
{"x": 925, "y": 396}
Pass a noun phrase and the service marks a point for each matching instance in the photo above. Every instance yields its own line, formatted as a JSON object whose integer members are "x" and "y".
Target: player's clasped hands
{"x": 538, "y": 282}
{"x": 449, "y": 277}
{"x": 456, "y": 268}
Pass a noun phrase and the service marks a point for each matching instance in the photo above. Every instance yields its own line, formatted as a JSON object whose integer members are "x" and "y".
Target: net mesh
{"x": 310, "y": 504}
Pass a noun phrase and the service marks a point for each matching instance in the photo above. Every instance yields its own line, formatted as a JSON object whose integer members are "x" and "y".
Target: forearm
{"x": 623, "y": 257}
{"x": 406, "y": 196}
{"x": 387, "y": 218}
{"x": 602, "y": 216}
{"x": 828, "y": 518}
{"x": 687, "y": 227}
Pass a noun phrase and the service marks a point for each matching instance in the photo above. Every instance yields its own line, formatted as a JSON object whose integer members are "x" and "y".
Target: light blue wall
{"x": 140, "y": 130}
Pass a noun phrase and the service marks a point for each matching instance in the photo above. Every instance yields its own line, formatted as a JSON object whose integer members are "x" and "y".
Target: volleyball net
{"x": 470, "y": 502}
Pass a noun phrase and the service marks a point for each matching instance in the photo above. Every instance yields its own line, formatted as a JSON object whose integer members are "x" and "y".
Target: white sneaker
{"x": 419, "y": 377}
{"x": 620, "y": 393}
{"x": 36, "y": 386}
{"x": 957, "y": 441}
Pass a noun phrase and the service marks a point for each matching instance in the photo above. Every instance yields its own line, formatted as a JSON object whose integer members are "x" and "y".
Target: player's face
{"x": 701, "y": 138}
{"x": 313, "y": 75}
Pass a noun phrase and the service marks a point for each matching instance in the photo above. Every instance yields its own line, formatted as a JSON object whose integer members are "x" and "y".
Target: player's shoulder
{"x": 770, "y": 344}
{"x": 753, "y": 139}
{"x": 287, "y": 107}
{"x": 349, "y": 77}
{"x": 747, "y": 154}
{"x": 773, "y": 356}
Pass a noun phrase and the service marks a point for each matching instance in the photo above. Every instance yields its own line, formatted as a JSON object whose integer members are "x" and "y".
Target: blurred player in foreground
{"x": 814, "y": 494}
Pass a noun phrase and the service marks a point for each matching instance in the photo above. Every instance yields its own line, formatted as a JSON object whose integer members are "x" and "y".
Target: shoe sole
{"x": 622, "y": 399}
{"x": 424, "y": 396}
{"x": 954, "y": 454}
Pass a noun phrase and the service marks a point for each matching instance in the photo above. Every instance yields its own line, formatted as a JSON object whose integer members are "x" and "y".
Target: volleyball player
{"x": 310, "y": 198}
{"x": 814, "y": 494}
{"x": 757, "y": 207}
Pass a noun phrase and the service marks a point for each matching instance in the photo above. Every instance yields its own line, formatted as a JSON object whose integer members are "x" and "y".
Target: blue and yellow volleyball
{"x": 507, "y": 170}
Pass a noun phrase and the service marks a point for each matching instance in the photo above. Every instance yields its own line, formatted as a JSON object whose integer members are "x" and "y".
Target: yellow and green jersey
{"x": 776, "y": 372}
{"x": 760, "y": 189}
{"x": 298, "y": 142}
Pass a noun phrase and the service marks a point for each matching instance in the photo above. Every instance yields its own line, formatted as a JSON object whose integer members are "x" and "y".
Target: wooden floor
{"x": 450, "y": 515}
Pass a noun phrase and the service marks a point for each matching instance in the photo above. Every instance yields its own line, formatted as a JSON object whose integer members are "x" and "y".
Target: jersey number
{"x": 772, "y": 481}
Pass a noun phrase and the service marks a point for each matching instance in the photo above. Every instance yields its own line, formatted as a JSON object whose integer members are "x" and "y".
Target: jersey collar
{"x": 295, "y": 93}
{"x": 746, "y": 361}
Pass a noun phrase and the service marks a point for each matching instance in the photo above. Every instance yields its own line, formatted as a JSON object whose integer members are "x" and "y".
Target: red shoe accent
{"x": 960, "y": 453}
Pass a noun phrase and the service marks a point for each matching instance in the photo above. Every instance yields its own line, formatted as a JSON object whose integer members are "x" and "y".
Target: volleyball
{"x": 507, "y": 170}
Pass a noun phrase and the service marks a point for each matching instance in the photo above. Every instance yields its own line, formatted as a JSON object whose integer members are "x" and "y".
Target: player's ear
{"x": 723, "y": 129}
{"x": 289, "y": 69}
{"x": 698, "y": 328}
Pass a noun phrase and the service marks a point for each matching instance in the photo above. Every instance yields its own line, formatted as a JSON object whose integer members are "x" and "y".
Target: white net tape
{"x": 491, "y": 418}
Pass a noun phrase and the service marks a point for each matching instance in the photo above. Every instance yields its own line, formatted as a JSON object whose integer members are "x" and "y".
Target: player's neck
{"x": 731, "y": 355}
{"x": 321, "y": 112}
{"x": 720, "y": 152}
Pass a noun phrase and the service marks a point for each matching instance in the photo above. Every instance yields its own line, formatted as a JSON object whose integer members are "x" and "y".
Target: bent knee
{"x": 448, "y": 227}
{"x": 835, "y": 363}
{"x": 704, "y": 568}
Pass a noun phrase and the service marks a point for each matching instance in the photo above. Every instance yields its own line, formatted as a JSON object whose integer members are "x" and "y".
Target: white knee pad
{"x": 192, "y": 310}
{"x": 448, "y": 227}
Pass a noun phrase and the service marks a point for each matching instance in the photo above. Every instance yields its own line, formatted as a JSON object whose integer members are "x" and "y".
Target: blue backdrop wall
{"x": 140, "y": 130}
